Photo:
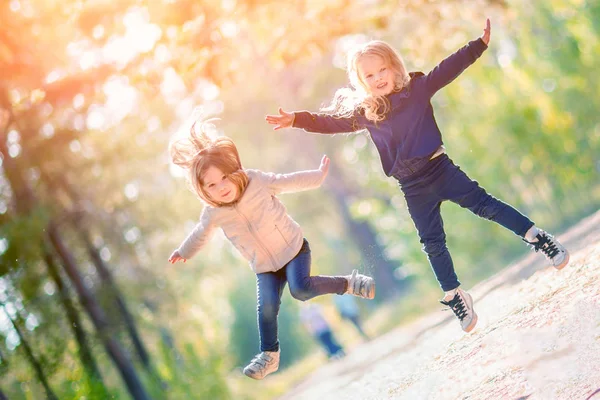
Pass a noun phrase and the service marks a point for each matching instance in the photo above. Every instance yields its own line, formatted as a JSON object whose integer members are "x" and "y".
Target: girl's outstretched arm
{"x": 297, "y": 181}
{"x": 451, "y": 67}
{"x": 313, "y": 122}
{"x": 197, "y": 238}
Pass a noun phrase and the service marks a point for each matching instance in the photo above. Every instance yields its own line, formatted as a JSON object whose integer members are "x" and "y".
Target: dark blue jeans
{"x": 442, "y": 180}
{"x": 269, "y": 288}
{"x": 329, "y": 343}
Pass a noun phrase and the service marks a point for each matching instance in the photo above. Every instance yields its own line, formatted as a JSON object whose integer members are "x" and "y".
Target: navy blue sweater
{"x": 408, "y": 135}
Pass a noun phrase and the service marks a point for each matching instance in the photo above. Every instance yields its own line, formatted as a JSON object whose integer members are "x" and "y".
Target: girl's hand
{"x": 324, "y": 167}
{"x": 486, "y": 32}
{"x": 176, "y": 257}
{"x": 283, "y": 120}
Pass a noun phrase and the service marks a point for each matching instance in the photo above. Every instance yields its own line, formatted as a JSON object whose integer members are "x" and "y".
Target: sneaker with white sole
{"x": 462, "y": 305}
{"x": 551, "y": 248}
{"x": 262, "y": 365}
{"x": 361, "y": 285}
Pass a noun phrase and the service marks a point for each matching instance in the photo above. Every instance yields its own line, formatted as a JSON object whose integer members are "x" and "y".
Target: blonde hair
{"x": 347, "y": 100}
{"x": 198, "y": 152}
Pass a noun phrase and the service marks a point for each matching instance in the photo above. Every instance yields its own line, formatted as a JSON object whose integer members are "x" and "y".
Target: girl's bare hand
{"x": 176, "y": 257}
{"x": 324, "y": 167}
{"x": 283, "y": 120}
{"x": 486, "y": 32}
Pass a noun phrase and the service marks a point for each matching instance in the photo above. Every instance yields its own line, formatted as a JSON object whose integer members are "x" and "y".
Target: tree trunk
{"x": 98, "y": 317}
{"x": 105, "y": 274}
{"x": 85, "y": 353}
{"x": 107, "y": 279}
{"x": 31, "y": 357}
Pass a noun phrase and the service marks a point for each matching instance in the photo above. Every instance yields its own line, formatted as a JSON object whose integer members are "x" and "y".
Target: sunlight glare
{"x": 3, "y": 245}
{"x": 208, "y": 90}
{"x": 365, "y": 208}
{"x": 105, "y": 254}
{"x": 131, "y": 191}
{"x": 98, "y": 32}
{"x": 54, "y": 76}
{"x": 47, "y": 130}
{"x": 95, "y": 118}
{"x": 88, "y": 59}
{"x": 507, "y": 53}
{"x": 121, "y": 98}
{"x": 31, "y": 322}
{"x": 14, "y": 150}
{"x": 229, "y": 29}
{"x": 140, "y": 37}
{"x": 12, "y": 340}
{"x": 78, "y": 101}
{"x": 344, "y": 45}
{"x": 133, "y": 234}
{"x": 75, "y": 146}
{"x": 350, "y": 154}
{"x": 172, "y": 87}
{"x": 15, "y": 5}
{"x": 228, "y": 5}
{"x": 49, "y": 288}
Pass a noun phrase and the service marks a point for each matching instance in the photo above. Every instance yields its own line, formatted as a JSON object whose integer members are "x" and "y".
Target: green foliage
{"x": 23, "y": 236}
{"x": 189, "y": 375}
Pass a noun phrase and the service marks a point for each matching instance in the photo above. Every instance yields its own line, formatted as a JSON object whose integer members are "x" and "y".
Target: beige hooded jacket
{"x": 258, "y": 224}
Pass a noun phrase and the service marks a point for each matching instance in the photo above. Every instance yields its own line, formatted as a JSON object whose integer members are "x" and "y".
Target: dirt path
{"x": 538, "y": 337}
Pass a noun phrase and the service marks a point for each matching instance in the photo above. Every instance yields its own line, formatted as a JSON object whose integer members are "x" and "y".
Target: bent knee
{"x": 435, "y": 248}
{"x": 489, "y": 208}
{"x": 300, "y": 293}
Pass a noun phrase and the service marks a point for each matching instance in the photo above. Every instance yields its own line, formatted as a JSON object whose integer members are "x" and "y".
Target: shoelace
{"x": 458, "y": 306}
{"x": 360, "y": 285}
{"x": 545, "y": 244}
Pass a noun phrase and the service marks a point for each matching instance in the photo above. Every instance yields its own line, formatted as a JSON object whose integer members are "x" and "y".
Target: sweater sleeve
{"x": 293, "y": 182}
{"x": 324, "y": 123}
{"x": 451, "y": 67}
{"x": 199, "y": 236}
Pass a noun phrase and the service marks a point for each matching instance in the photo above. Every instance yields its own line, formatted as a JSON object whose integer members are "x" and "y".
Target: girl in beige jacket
{"x": 243, "y": 203}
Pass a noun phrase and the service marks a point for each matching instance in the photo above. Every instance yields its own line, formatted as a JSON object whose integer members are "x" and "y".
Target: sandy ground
{"x": 538, "y": 337}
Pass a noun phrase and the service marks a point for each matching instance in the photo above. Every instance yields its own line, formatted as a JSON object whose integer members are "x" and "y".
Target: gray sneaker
{"x": 462, "y": 305}
{"x": 361, "y": 285}
{"x": 551, "y": 248}
{"x": 262, "y": 365}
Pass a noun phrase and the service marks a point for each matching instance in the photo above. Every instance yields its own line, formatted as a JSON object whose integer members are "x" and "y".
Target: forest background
{"x": 91, "y": 93}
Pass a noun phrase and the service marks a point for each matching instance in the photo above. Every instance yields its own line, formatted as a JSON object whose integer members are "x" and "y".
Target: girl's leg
{"x": 424, "y": 208}
{"x": 269, "y": 288}
{"x": 467, "y": 193}
{"x": 425, "y": 213}
{"x": 329, "y": 343}
{"x": 303, "y": 286}
{"x": 356, "y": 321}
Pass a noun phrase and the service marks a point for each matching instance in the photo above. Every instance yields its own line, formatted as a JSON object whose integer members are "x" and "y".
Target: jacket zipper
{"x": 281, "y": 234}
{"x": 256, "y": 237}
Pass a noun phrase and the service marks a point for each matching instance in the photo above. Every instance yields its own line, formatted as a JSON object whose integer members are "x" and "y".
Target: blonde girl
{"x": 394, "y": 106}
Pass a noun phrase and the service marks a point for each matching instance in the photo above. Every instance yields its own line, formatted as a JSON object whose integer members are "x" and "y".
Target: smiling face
{"x": 218, "y": 186}
{"x": 375, "y": 74}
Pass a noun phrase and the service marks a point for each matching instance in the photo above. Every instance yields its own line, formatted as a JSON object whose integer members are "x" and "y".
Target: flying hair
{"x": 197, "y": 152}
